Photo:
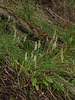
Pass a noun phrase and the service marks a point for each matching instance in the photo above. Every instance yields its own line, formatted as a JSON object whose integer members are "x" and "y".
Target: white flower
{"x": 54, "y": 45}
{"x": 35, "y": 58}
{"x": 47, "y": 39}
{"x": 35, "y": 46}
{"x": 25, "y": 38}
{"x": 62, "y": 57}
{"x": 15, "y": 33}
{"x": 9, "y": 18}
{"x": 31, "y": 54}
{"x": 26, "y": 56}
{"x": 56, "y": 38}
{"x": 35, "y": 61}
{"x": 39, "y": 44}
{"x": 40, "y": 55}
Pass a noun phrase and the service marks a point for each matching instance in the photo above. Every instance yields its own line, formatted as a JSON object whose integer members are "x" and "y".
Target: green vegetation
{"x": 40, "y": 70}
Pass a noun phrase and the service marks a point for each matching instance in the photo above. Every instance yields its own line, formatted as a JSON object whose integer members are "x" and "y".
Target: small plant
{"x": 30, "y": 65}
{"x": 58, "y": 86}
{"x": 34, "y": 83}
{"x": 0, "y": 18}
{"x": 46, "y": 80}
{"x": 27, "y": 9}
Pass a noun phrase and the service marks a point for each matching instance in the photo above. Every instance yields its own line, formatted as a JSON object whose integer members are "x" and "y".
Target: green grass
{"x": 48, "y": 64}
{"x": 45, "y": 67}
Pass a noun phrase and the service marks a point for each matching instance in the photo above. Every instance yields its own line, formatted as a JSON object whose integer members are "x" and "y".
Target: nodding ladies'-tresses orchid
{"x": 54, "y": 45}
{"x": 62, "y": 57}
{"x": 26, "y": 56}
{"x": 35, "y": 46}
{"x": 15, "y": 33}
{"x": 34, "y": 58}
{"x": 25, "y": 38}
{"x": 47, "y": 39}
{"x": 39, "y": 44}
{"x": 32, "y": 54}
{"x": 9, "y": 18}
{"x": 35, "y": 61}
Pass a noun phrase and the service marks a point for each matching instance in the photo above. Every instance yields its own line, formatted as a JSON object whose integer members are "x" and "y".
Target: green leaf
{"x": 45, "y": 82}
{"x": 73, "y": 82}
{"x": 47, "y": 66}
{"x": 58, "y": 86}
{"x": 34, "y": 81}
{"x": 39, "y": 82}
{"x": 38, "y": 74}
{"x": 3, "y": 66}
{"x": 37, "y": 87}
{"x": 48, "y": 78}
{"x": 0, "y": 18}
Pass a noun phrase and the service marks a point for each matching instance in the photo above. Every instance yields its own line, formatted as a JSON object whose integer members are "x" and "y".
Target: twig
{"x": 49, "y": 11}
{"x": 51, "y": 93}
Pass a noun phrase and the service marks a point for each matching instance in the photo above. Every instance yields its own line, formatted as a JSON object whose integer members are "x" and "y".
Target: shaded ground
{"x": 60, "y": 9}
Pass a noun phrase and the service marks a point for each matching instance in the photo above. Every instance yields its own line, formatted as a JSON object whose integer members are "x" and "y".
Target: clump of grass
{"x": 43, "y": 65}
{"x": 45, "y": 69}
